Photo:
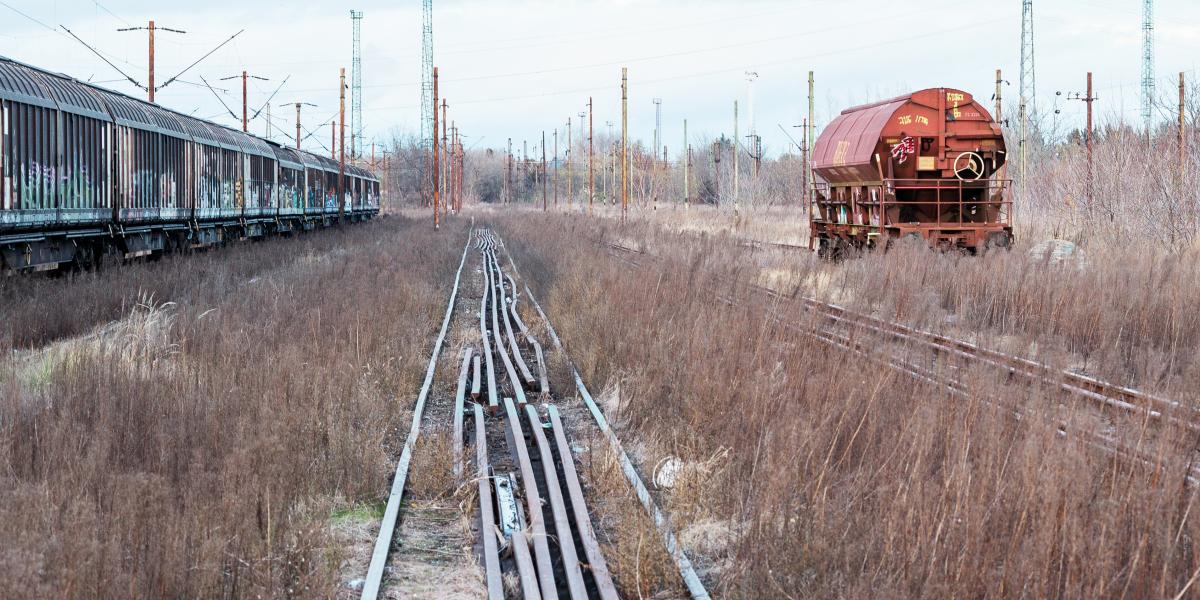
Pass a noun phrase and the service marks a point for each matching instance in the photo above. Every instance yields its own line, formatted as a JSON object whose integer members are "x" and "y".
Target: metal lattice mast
{"x": 1028, "y": 105}
{"x": 427, "y": 107}
{"x": 1147, "y": 63}
{"x": 356, "y": 124}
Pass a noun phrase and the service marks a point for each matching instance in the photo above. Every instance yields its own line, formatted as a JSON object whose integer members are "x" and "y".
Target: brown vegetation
{"x": 280, "y": 377}
{"x": 810, "y": 471}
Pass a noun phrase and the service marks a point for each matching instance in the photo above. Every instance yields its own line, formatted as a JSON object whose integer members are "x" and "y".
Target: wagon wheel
{"x": 968, "y": 166}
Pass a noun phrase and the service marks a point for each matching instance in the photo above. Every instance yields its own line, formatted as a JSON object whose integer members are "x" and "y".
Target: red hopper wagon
{"x": 928, "y": 165}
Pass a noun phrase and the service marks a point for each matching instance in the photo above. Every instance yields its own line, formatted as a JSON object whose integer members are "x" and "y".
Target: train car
{"x": 927, "y": 165}
{"x": 88, "y": 173}
{"x": 289, "y": 188}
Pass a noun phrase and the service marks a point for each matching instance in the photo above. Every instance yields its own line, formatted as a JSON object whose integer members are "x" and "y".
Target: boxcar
{"x": 88, "y": 173}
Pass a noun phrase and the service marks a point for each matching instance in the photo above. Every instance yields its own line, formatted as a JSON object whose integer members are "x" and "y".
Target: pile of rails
{"x": 537, "y": 468}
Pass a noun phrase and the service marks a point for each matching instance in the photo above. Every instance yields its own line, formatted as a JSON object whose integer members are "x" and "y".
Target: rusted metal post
{"x": 591, "y": 159}
{"x": 341, "y": 186}
{"x": 1089, "y": 101}
{"x": 545, "y": 207}
{"x": 434, "y": 171}
{"x": 150, "y": 77}
{"x": 1182, "y": 138}
{"x": 624, "y": 143}
{"x": 245, "y": 121}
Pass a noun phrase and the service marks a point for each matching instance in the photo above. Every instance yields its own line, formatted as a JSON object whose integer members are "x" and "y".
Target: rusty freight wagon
{"x": 88, "y": 174}
{"x": 928, "y": 165}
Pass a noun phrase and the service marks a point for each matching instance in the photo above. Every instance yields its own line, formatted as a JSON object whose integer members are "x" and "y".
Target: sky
{"x": 513, "y": 69}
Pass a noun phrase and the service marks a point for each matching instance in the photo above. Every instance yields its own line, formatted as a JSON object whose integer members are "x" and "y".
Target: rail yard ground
{"x": 228, "y": 423}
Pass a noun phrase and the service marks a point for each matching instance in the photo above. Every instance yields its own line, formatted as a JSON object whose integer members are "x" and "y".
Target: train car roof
{"x": 21, "y": 82}
{"x": 286, "y": 157}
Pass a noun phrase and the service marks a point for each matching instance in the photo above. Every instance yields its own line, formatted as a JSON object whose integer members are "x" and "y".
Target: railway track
{"x": 846, "y": 329}
{"x": 510, "y": 442}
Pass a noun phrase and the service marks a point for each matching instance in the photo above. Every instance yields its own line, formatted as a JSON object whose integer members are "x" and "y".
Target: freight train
{"x": 928, "y": 166}
{"x": 91, "y": 175}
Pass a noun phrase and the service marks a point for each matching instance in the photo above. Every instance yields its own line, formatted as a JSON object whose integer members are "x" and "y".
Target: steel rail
{"x": 526, "y": 572}
{"x": 583, "y": 522}
{"x": 558, "y": 508}
{"x": 1090, "y": 438}
{"x": 459, "y": 401}
{"x": 533, "y": 504}
{"x": 522, "y": 368}
{"x": 476, "y": 378}
{"x": 1090, "y": 388}
{"x": 493, "y": 398}
{"x": 518, "y": 390}
{"x": 1120, "y": 397}
{"x": 661, "y": 521}
{"x": 387, "y": 527}
{"x": 487, "y": 519}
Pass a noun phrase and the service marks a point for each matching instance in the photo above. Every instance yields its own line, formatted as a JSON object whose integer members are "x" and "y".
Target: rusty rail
{"x": 459, "y": 398}
{"x": 533, "y": 503}
{"x": 558, "y": 508}
{"x": 491, "y": 555}
{"x": 587, "y": 536}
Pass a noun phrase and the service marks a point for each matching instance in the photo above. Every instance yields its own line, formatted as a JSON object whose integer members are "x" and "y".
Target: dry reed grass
{"x": 846, "y": 479}
{"x": 271, "y": 390}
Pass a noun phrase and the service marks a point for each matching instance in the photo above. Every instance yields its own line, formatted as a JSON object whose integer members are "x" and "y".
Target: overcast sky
{"x": 515, "y": 68}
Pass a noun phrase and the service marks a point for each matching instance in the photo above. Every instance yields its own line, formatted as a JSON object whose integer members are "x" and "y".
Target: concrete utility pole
{"x": 570, "y": 182}
{"x": 658, "y": 140}
{"x": 445, "y": 159}
{"x": 809, "y": 134}
{"x": 545, "y": 205}
{"x": 624, "y": 143}
{"x": 686, "y": 157}
{"x": 591, "y": 158}
{"x": 434, "y": 174}
{"x": 736, "y": 142}
{"x": 555, "y": 168}
{"x": 751, "y": 77}
{"x": 298, "y": 124}
{"x": 341, "y": 186}
{"x": 509, "y": 178}
{"x": 999, "y": 105}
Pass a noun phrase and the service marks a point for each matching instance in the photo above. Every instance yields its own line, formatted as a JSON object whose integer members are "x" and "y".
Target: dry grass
{"x": 198, "y": 449}
{"x": 819, "y": 474}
